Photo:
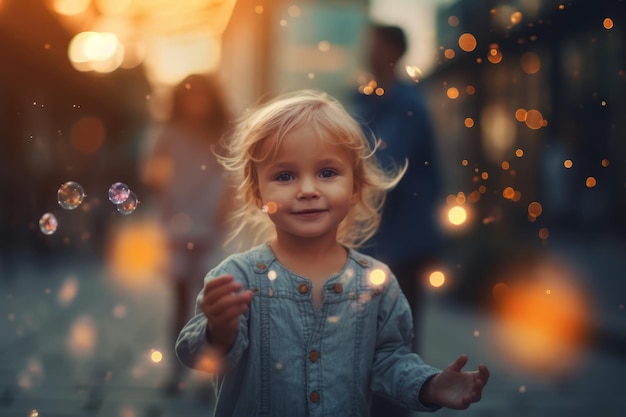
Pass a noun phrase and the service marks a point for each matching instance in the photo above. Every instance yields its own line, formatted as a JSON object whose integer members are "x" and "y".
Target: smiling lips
{"x": 309, "y": 212}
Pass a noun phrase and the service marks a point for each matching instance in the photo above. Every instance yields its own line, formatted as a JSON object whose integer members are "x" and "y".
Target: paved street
{"x": 76, "y": 343}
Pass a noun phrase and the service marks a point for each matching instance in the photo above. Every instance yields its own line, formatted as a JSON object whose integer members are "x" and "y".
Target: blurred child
{"x": 190, "y": 191}
{"x": 303, "y": 324}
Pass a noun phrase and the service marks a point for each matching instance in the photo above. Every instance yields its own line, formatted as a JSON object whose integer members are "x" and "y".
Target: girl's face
{"x": 308, "y": 187}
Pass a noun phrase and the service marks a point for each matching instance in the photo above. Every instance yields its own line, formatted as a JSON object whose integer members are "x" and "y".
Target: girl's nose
{"x": 307, "y": 189}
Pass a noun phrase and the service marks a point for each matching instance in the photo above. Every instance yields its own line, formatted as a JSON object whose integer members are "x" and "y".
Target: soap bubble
{"x": 118, "y": 193}
{"x": 48, "y": 224}
{"x": 129, "y": 205}
{"x": 70, "y": 195}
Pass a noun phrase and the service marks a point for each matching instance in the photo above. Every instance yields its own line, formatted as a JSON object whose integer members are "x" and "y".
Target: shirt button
{"x": 338, "y": 288}
{"x": 314, "y": 396}
{"x": 261, "y": 265}
{"x": 363, "y": 262}
{"x": 303, "y": 288}
{"x": 314, "y": 355}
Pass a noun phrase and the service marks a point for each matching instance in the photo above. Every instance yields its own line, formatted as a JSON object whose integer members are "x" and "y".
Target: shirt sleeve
{"x": 398, "y": 373}
{"x": 193, "y": 346}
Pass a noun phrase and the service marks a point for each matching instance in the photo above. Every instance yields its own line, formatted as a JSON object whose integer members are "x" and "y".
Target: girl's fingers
{"x": 484, "y": 373}
{"x": 458, "y": 364}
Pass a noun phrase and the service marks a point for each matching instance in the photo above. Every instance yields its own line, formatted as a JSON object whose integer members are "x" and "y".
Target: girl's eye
{"x": 327, "y": 173}
{"x": 284, "y": 176}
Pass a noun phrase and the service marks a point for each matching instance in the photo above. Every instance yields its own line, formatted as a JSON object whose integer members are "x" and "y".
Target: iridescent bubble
{"x": 48, "y": 224}
{"x": 129, "y": 205}
{"x": 118, "y": 193}
{"x": 70, "y": 195}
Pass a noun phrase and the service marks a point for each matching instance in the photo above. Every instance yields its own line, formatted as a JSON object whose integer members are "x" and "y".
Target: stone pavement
{"x": 75, "y": 343}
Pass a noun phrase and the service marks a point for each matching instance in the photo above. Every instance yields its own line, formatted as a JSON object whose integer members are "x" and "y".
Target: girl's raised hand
{"x": 223, "y": 303}
{"x": 455, "y": 388}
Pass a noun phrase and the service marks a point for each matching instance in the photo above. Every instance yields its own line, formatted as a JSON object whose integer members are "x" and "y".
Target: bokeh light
{"x": 543, "y": 315}
{"x": 467, "y": 42}
{"x": 156, "y": 356}
{"x": 436, "y": 279}
{"x": 414, "y": 73}
{"x": 81, "y": 339}
{"x": 270, "y": 207}
{"x": 137, "y": 253}
{"x": 457, "y": 215}
{"x": 87, "y": 135}
{"x": 452, "y": 93}
{"x": 377, "y": 276}
{"x": 530, "y": 62}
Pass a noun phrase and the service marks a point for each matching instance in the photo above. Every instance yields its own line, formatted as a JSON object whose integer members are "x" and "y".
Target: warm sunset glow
{"x": 70, "y": 7}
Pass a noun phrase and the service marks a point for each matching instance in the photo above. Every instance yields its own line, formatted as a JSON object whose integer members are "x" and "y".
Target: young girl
{"x": 303, "y": 323}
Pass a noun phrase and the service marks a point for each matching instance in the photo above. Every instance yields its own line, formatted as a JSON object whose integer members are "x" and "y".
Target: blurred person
{"x": 190, "y": 191}
{"x": 409, "y": 239}
{"x": 302, "y": 323}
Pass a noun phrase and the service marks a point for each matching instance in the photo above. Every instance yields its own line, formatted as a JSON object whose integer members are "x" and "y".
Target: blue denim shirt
{"x": 290, "y": 359}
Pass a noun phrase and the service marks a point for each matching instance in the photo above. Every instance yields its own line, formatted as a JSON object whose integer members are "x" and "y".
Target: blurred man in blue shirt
{"x": 409, "y": 239}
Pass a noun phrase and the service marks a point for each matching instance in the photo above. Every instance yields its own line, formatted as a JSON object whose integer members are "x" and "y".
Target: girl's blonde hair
{"x": 272, "y": 122}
